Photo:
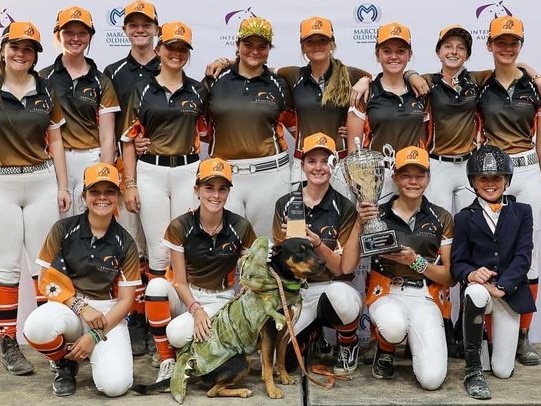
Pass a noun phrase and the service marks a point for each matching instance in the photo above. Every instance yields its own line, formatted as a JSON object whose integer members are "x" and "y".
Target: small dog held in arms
{"x": 252, "y": 320}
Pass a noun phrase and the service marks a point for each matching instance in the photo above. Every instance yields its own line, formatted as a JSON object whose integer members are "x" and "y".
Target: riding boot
{"x": 526, "y": 354}
{"x": 474, "y": 380}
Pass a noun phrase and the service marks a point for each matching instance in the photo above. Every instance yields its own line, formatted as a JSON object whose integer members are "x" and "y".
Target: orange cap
{"x": 506, "y": 25}
{"x": 74, "y": 13}
{"x": 141, "y": 7}
{"x": 214, "y": 168}
{"x": 318, "y": 140}
{"x": 19, "y": 30}
{"x": 317, "y": 25}
{"x": 101, "y": 172}
{"x": 174, "y": 32}
{"x": 412, "y": 156}
{"x": 257, "y": 26}
{"x": 393, "y": 30}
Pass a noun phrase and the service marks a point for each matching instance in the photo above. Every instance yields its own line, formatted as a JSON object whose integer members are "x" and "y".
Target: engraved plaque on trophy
{"x": 296, "y": 222}
{"x": 364, "y": 171}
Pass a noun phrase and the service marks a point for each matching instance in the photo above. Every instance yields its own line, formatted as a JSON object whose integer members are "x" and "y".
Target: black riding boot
{"x": 474, "y": 380}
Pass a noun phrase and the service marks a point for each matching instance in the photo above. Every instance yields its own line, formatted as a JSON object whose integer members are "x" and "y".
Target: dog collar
{"x": 291, "y": 285}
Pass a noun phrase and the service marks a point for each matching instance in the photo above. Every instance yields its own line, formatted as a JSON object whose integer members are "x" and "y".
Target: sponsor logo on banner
{"x": 485, "y": 12}
{"x": 114, "y": 36}
{"x": 232, "y": 20}
{"x": 5, "y": 18}
{"x": 366, "y": 17}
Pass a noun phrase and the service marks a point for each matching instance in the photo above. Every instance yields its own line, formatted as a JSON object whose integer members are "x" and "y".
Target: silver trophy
{"x": 364, "y": 171}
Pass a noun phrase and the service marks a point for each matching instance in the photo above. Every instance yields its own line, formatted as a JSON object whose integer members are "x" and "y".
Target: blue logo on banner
{"x": 367, "y": 13}
{"x": 116, "y": 17}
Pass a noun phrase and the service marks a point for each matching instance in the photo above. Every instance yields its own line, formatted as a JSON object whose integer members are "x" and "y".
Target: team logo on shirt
{"x": 89, "y": 94}
{"x": 40, "y": 106}
{"x": 188, "y": 106}
{"x": 265, "y": 98}
{"x": 110, "y": 264}
{"x": 429, "y": 228}
{"x": 228, "y": 248}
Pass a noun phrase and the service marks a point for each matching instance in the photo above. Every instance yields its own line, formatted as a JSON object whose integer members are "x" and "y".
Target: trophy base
{"x": 379, "y": 243}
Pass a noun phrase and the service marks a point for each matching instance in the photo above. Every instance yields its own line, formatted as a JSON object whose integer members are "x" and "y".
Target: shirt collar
{"x": 86, "y": 232}
{"x": 265, "y": 76}
{"x": 152, "y": 66}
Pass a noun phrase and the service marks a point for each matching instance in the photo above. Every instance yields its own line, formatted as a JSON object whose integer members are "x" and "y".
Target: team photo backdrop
{"x": 215, "y": 23}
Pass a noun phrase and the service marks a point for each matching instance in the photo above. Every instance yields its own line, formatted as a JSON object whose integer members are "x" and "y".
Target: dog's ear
{"x": 276, "y": 249}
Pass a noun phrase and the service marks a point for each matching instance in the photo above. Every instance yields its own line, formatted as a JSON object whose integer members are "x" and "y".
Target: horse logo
{"x": 5, "y": 18}
{"x": 239, "y": 15}
{"x": 494, "y": 10}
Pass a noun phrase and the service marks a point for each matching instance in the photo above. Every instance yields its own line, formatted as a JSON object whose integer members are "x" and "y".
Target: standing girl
{"x": 168, "y": 110}
{"x": 33, "y": 176}
{"x": 87, "y": 97}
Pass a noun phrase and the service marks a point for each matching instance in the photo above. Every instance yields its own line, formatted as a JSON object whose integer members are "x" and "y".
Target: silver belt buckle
{"x": 397, "y": 281}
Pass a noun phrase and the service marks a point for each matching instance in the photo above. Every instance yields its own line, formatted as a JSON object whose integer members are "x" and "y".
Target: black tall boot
{"x": 474, "y": 380}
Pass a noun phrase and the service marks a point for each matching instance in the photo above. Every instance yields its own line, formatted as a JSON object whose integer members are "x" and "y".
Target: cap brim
{"x": 214, "y": 177}
{"x": 426, "y": 169}
{"x": 172, "y": 41}
{"x": 35, "y": 43}
{"x": 507, "y": 33}
{"x": 101, "y": 180}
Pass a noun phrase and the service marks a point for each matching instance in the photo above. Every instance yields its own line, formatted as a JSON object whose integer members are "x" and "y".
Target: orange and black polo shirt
{"x": 23, "y": 133}
{"x": 96, "y": 266}
{"x": 453, "y": 123}
{"x": 433, "y": 228}
{"x": 82, "y": 100}
{"x": 210, "y": 262}
{"x": 172, "y": 121}
{"x": 332, "y": 219}
{"x": 312, "y": 117}
{"x": 509, "y": 115}
{"x": 124, "y": 74}
{"x": 245, "y": 115}
{"x": 395, "y": 120}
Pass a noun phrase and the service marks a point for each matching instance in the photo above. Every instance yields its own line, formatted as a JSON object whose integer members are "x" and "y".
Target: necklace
{"x": 172, "y": 85}
{"x": 212, "y": 231}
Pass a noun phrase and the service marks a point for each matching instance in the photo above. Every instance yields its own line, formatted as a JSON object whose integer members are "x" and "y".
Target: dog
{"x": 252, "y": 320}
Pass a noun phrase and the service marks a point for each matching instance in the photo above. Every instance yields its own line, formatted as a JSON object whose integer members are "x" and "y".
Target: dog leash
{"x": 331, "y": 377}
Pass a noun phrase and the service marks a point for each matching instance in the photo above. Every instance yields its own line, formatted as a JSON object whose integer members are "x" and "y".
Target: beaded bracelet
{"x": 78, "y": 306}
{"x": 408, "y": 74}
{"x": 195, "y": 302}
{"x": 224, "y": 62}
{"x": 536, "y": 77}
{"x": 420, "y": 264}
{"x": 101, "y": 334}
{"x": 97, "y": 335}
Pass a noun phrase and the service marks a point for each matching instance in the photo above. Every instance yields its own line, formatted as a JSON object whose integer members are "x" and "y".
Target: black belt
{"x": 401, "y": 280}
{"x": 341, "y": 154}
{"x": 262, "y": 166}
{"x": 171, "y": 161}
{"x": 525, "y": 160}
{"x": 451, "y": 158}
